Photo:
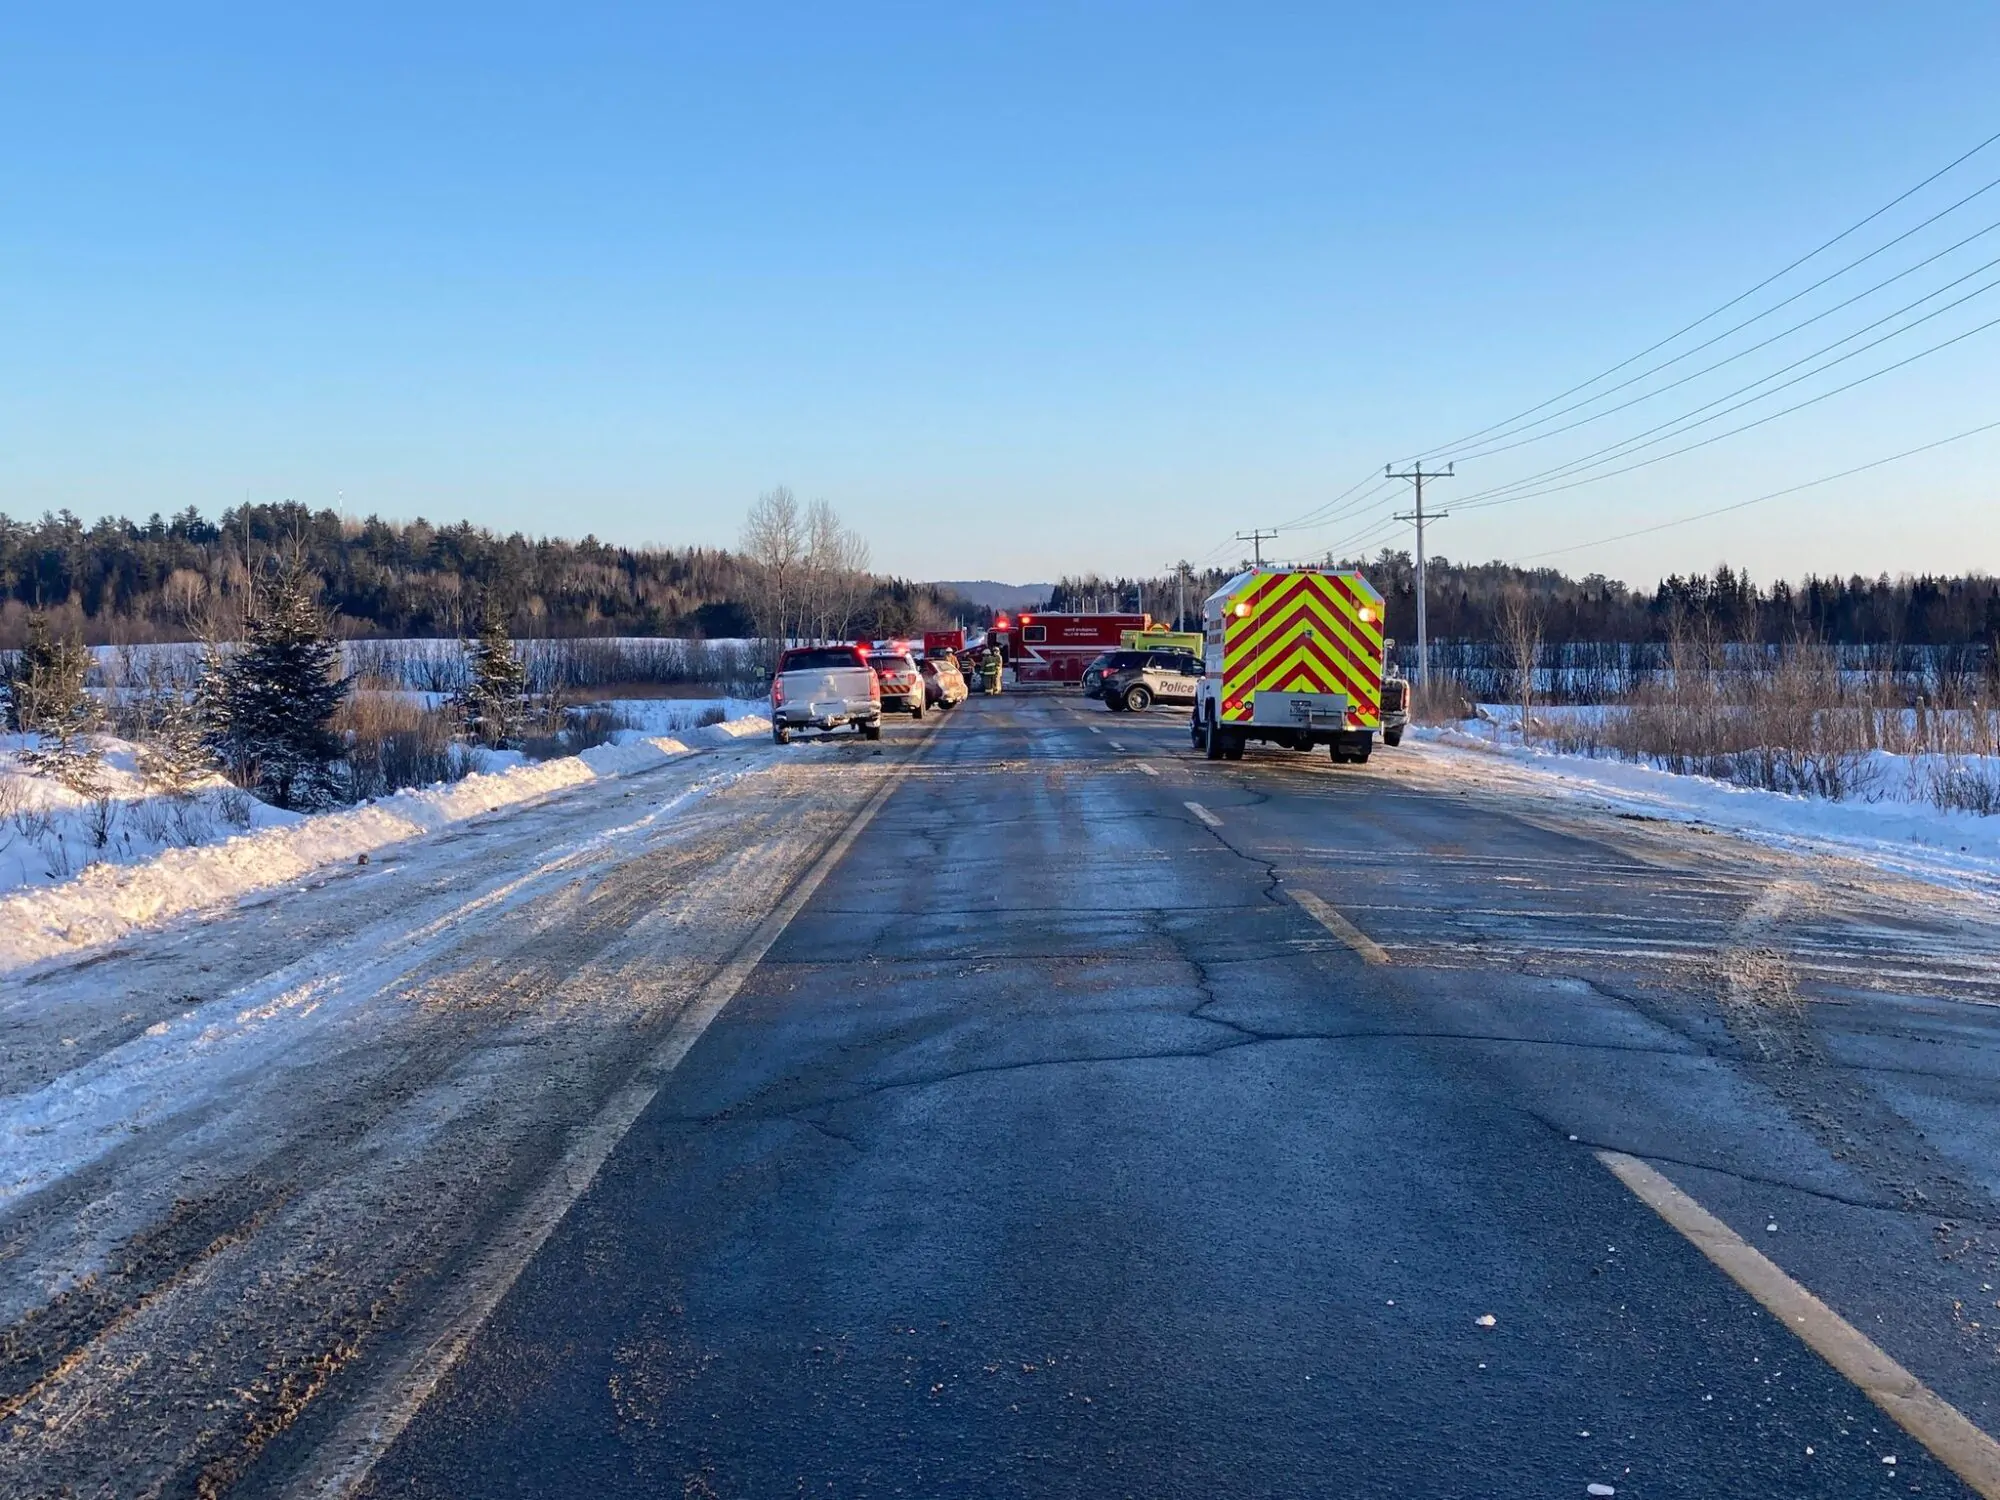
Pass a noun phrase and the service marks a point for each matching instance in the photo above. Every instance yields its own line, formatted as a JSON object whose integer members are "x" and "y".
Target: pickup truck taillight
{"x": 777, "y": 693}
{"x": 874, "y": 686}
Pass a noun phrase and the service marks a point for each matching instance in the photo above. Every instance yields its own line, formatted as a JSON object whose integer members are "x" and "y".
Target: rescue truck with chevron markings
{"x": 1296, "y": 657}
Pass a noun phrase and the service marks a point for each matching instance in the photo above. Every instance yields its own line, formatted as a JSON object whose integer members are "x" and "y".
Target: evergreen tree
{"x": 174, "y": 750}
{"x": 47, "y": 697}
{"x": 495, "y": 701}
{"x": 279, "y": 694}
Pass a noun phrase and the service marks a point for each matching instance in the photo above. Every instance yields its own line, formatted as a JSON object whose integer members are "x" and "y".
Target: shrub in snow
{"x": 170, "y": 722}
{"x": 278, "y": 695}
{"x": 47, "y": 697}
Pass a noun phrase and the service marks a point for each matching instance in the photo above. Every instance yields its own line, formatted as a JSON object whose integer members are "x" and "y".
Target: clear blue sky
{"x": 1021, "y": 290}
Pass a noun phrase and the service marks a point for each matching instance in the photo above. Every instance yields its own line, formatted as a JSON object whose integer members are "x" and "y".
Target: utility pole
{"x": 1417, "y": 476}
{"x": 1256, "y": 539}
{"x": 1181, "y": 570}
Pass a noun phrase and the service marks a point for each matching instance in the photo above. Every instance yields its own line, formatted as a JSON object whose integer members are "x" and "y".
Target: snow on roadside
{"x": 650, "y": 716}
{"x": 107, "y": 902}
{"x": 1908, "y": 838}
{"x": 48, "y": 832}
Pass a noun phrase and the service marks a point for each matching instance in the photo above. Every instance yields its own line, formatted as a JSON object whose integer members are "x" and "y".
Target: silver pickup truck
{"x": 824, "y": 687}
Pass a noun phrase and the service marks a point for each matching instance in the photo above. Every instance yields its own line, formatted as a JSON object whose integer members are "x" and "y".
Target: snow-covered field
{"x": 1898, "y": 830}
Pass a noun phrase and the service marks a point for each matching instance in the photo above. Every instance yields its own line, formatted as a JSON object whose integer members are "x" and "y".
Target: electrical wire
{"x": 1484, "y": 504}
{"x": 1300, "y": 520}
{"x": 1353, "y": 507}
{"x": 1741, "y": 297}
{"x": 1761, "y": 344}
{"x": 1688, "y": 421}
{"x": 1723, "y": 510}
{"x": 1342, "y": 506}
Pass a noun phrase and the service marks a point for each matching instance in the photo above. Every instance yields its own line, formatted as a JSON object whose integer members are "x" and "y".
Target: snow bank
{"x": 48, "y": 833}
{"x": 1899, "y": 832}
{"x": 108, "y": 901}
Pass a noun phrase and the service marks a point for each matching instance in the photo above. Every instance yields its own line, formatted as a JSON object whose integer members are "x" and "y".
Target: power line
{"x": 1341, "y": 506}
{"x": 1329, "y": 505}
{"x": 1747, "y": 426}
{"x": 1382, "y": 528}
{"x": 1456, "y": 449}
{"x": 1360, "y": 503}
{"x": 1654, "y": 348}
{"x": 1685, "y": 423}
{"x": 1722, "y": 510}
{"x": 1761, "y": 344}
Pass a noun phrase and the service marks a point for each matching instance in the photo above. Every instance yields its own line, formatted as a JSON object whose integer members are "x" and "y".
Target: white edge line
{"x": 347, "y": 1457}
{"x": 1926, "y": 1416}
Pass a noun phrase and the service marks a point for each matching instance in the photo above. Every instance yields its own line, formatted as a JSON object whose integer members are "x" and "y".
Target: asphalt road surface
{"x": 1057, "y": 1149}
{"x": 1101, "y": 1121}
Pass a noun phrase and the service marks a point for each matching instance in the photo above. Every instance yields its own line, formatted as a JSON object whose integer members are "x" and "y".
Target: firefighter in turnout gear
{"x": 989, "y": 670}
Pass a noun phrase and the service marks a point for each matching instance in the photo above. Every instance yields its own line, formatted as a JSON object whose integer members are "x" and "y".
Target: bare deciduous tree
{"x": 774, "y": 538}
{"x": 1521, "y": 632}
{"x": 813, "y": 578}
{"x": 837, "y": 571}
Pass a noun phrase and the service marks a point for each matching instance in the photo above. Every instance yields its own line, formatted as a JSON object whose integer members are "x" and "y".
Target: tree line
{"x": 1482, "y": 602}
{"x": 121, "y": 580}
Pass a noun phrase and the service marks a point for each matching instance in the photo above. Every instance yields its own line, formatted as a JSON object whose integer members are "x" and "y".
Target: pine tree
{"x": 175, "y": 752}
{"x": 495, "y": 701}
{"x": 47, "y": 697}
{"x": 279, "y": 693}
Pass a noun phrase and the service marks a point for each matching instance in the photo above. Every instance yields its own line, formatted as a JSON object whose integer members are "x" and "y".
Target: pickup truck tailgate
{"x": 827, "y": 693}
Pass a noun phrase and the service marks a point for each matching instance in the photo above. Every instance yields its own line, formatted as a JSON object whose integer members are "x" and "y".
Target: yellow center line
{"x": 1926, "y": 1416}
{"x": 1370, "y": 950}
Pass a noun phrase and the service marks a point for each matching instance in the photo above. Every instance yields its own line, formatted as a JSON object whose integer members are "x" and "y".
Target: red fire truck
{"x": 1043, "y": 647}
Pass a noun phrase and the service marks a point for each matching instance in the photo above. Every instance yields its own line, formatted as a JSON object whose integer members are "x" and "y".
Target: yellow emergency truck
{"x": 1159, "y": 638}
{"x": 1296, "y": 657}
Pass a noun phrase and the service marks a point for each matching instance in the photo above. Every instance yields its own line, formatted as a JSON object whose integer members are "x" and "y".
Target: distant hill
{"x": 987, "y": 594}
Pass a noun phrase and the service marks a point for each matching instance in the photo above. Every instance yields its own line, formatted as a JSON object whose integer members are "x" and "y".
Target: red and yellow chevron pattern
{"x": 1305, "y": 633}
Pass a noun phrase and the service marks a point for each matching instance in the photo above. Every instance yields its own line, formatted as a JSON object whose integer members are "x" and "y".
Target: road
{"x": 1088, "y": 1119}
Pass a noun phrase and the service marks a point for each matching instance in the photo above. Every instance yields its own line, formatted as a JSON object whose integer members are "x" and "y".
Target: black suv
{"x": 1136, "y": 680}
{"x": 1114, "y": 661}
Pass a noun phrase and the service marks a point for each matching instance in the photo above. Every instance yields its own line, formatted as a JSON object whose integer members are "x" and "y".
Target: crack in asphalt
{"x": 1244, "y": 1036}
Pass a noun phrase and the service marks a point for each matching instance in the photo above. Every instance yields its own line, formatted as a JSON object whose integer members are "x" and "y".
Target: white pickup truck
{"x": 824, "y": 687}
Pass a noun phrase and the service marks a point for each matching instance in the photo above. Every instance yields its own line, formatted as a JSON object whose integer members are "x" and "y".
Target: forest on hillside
{"x": 141, "y": 581}
{"x": 1469, "y": 601}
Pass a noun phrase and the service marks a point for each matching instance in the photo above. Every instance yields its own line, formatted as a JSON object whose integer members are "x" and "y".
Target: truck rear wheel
{"x": 780, "y": 735}
{"x": 1393, "y": 737}
{"x": 1232, "y": 746}
{"x": 1211, "y": 737}
{"x": 872, "y": 731}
